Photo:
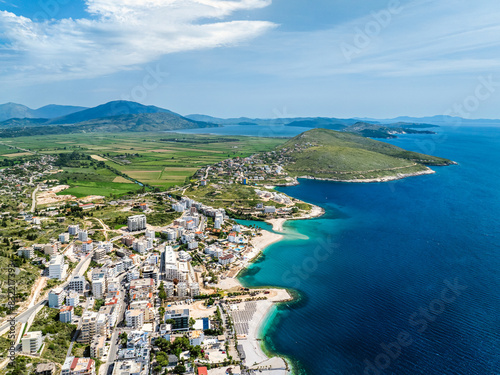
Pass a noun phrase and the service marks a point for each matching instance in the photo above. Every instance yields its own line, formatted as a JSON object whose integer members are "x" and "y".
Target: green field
{"x": 160, "y": 160}
{"x": 90, "y": 181}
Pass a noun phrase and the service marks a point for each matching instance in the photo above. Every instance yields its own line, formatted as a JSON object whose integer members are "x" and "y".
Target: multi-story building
{"x": 99, "y": 254}
{"x": 97, "y": 347}
{"x": 136, "y": 223}
{"x": 72, "y": 298}
{"x": 26, "y": 252}
{"x": 102, "y": 325}
{"x": 66, "y": 314}
{"x": 87, "y": 246}
{"x": 169, "y": 288}
{"x": 139, "y": 246}
{"x": 145, "y": 307}
{"x": 88, "y": 330}
{"x": 150, "y": 272}
{"x": 64, "y": 237}
{"x": 182, "y": 289}
{"x": 78, "y": 366}
{"x": 57, "y": 267}
{"x": 128, "y": 240}
{"x": 77, "y": 284}
{"x": 226, "y": 259}
{"x": 111, "y": 311}
{"x": 180, "y": 317}
{"x": 50, "y": 249}
{"x": 45, "y": 369}
{"x": 73, "y": 229}
{"x": 32, "y": 342}
{"x": 194, "y": 289}
{"x": 83, "y": 235}
{"x": 129, "y": 367}
{"x": 150, "y": 234}
{"x": 171, "y": 234}
{"x": 134, "y": 318}
{"x": 132, "y": 275}
{"x": 56, "y": 298}
{"x": 98, "y": 284}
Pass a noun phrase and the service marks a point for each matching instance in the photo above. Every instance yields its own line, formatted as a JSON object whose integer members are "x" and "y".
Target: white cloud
{"x": 425, "y": 38}
{"x": 119, "y": 35}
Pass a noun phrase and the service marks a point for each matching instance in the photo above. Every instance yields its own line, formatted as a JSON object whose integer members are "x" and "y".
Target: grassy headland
{"x": 323, "y": 153}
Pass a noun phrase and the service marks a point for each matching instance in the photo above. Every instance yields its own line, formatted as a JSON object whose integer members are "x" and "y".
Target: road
{"x": 104, "y": 227}
{"x": 104, "y": 369}
{"x": 24, "y": 316}
{"x": 33, "y": 199}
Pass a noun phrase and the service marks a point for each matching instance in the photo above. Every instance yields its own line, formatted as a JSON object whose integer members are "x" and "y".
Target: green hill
{"x": 324, "y": 153}
{"x": 132, "y": 122}
{"x": 382, "y": 131}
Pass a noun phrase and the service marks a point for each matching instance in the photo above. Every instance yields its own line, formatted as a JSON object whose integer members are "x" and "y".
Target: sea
{"x": 399, "y": 278}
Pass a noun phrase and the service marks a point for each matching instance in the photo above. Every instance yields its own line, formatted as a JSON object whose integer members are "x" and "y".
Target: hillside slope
{"x": 117, "y": 116}
{"x": 110, "y": 109}
{"x": 324, "y": 153}
{"x": 19, "y": 111}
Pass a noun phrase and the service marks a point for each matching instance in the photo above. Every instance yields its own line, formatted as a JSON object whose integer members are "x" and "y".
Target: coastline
{"x": 254, "y": 347}
{"x": 398, "y": 176}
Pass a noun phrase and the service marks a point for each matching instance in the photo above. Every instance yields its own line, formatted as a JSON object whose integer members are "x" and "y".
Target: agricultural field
{"x": 89, "y": 181}
{"x": 161, "y": 160}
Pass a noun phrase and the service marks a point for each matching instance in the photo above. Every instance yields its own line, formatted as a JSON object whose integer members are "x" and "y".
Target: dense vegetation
{"x": 57, "y": 334}
{"x": 330, "y": 154}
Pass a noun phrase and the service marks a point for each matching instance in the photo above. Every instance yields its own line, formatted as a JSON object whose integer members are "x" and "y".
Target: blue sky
{"x": 261, "y": 58}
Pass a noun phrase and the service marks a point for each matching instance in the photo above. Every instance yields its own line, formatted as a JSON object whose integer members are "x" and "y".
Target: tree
{"x": 195, "y": 351}
{"x": 124, "y": 338}
{"x": 179, "y": 369}
{"x": 161, "y": 293}
{"x": 161, "y": 311}
{"x": 192, "y": 322}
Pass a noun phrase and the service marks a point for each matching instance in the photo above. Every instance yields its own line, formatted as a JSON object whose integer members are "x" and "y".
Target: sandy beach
{"x": 277, "y": 224}
{"x": 255, "y": 314}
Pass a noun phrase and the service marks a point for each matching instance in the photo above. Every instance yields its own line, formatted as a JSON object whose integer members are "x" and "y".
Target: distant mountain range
{"x": 441, "y": 120}
{"x": 122, "y": 116}
{"x": 116, "y": 116}
{"x": 13, "y": 110}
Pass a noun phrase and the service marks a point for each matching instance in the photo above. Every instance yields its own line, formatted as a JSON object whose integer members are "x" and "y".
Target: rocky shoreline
{"x": 398, "y": 176}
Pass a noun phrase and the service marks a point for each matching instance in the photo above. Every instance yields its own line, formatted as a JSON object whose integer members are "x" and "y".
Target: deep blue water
{"x": 381, "y": 254}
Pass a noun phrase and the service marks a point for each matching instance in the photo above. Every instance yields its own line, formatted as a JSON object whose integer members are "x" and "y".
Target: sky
{"x": 256, "y": 58}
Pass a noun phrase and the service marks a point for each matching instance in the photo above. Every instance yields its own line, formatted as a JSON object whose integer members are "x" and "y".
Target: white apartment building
{"x": 77, "y": 284}
{"x": 57, "y": 267}
{"x": 136, "y": 223}
{"x": 31, "y": 342}
{"x": 99, "y": 285}
{"x": 83, "y": 235}
{"x": 134, "y": 318}
{"x": 88, "y": 330}
{"x": 57, "y": 297}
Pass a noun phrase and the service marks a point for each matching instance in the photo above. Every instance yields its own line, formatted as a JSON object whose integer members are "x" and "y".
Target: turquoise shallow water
{"x": 378, "y": 267}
